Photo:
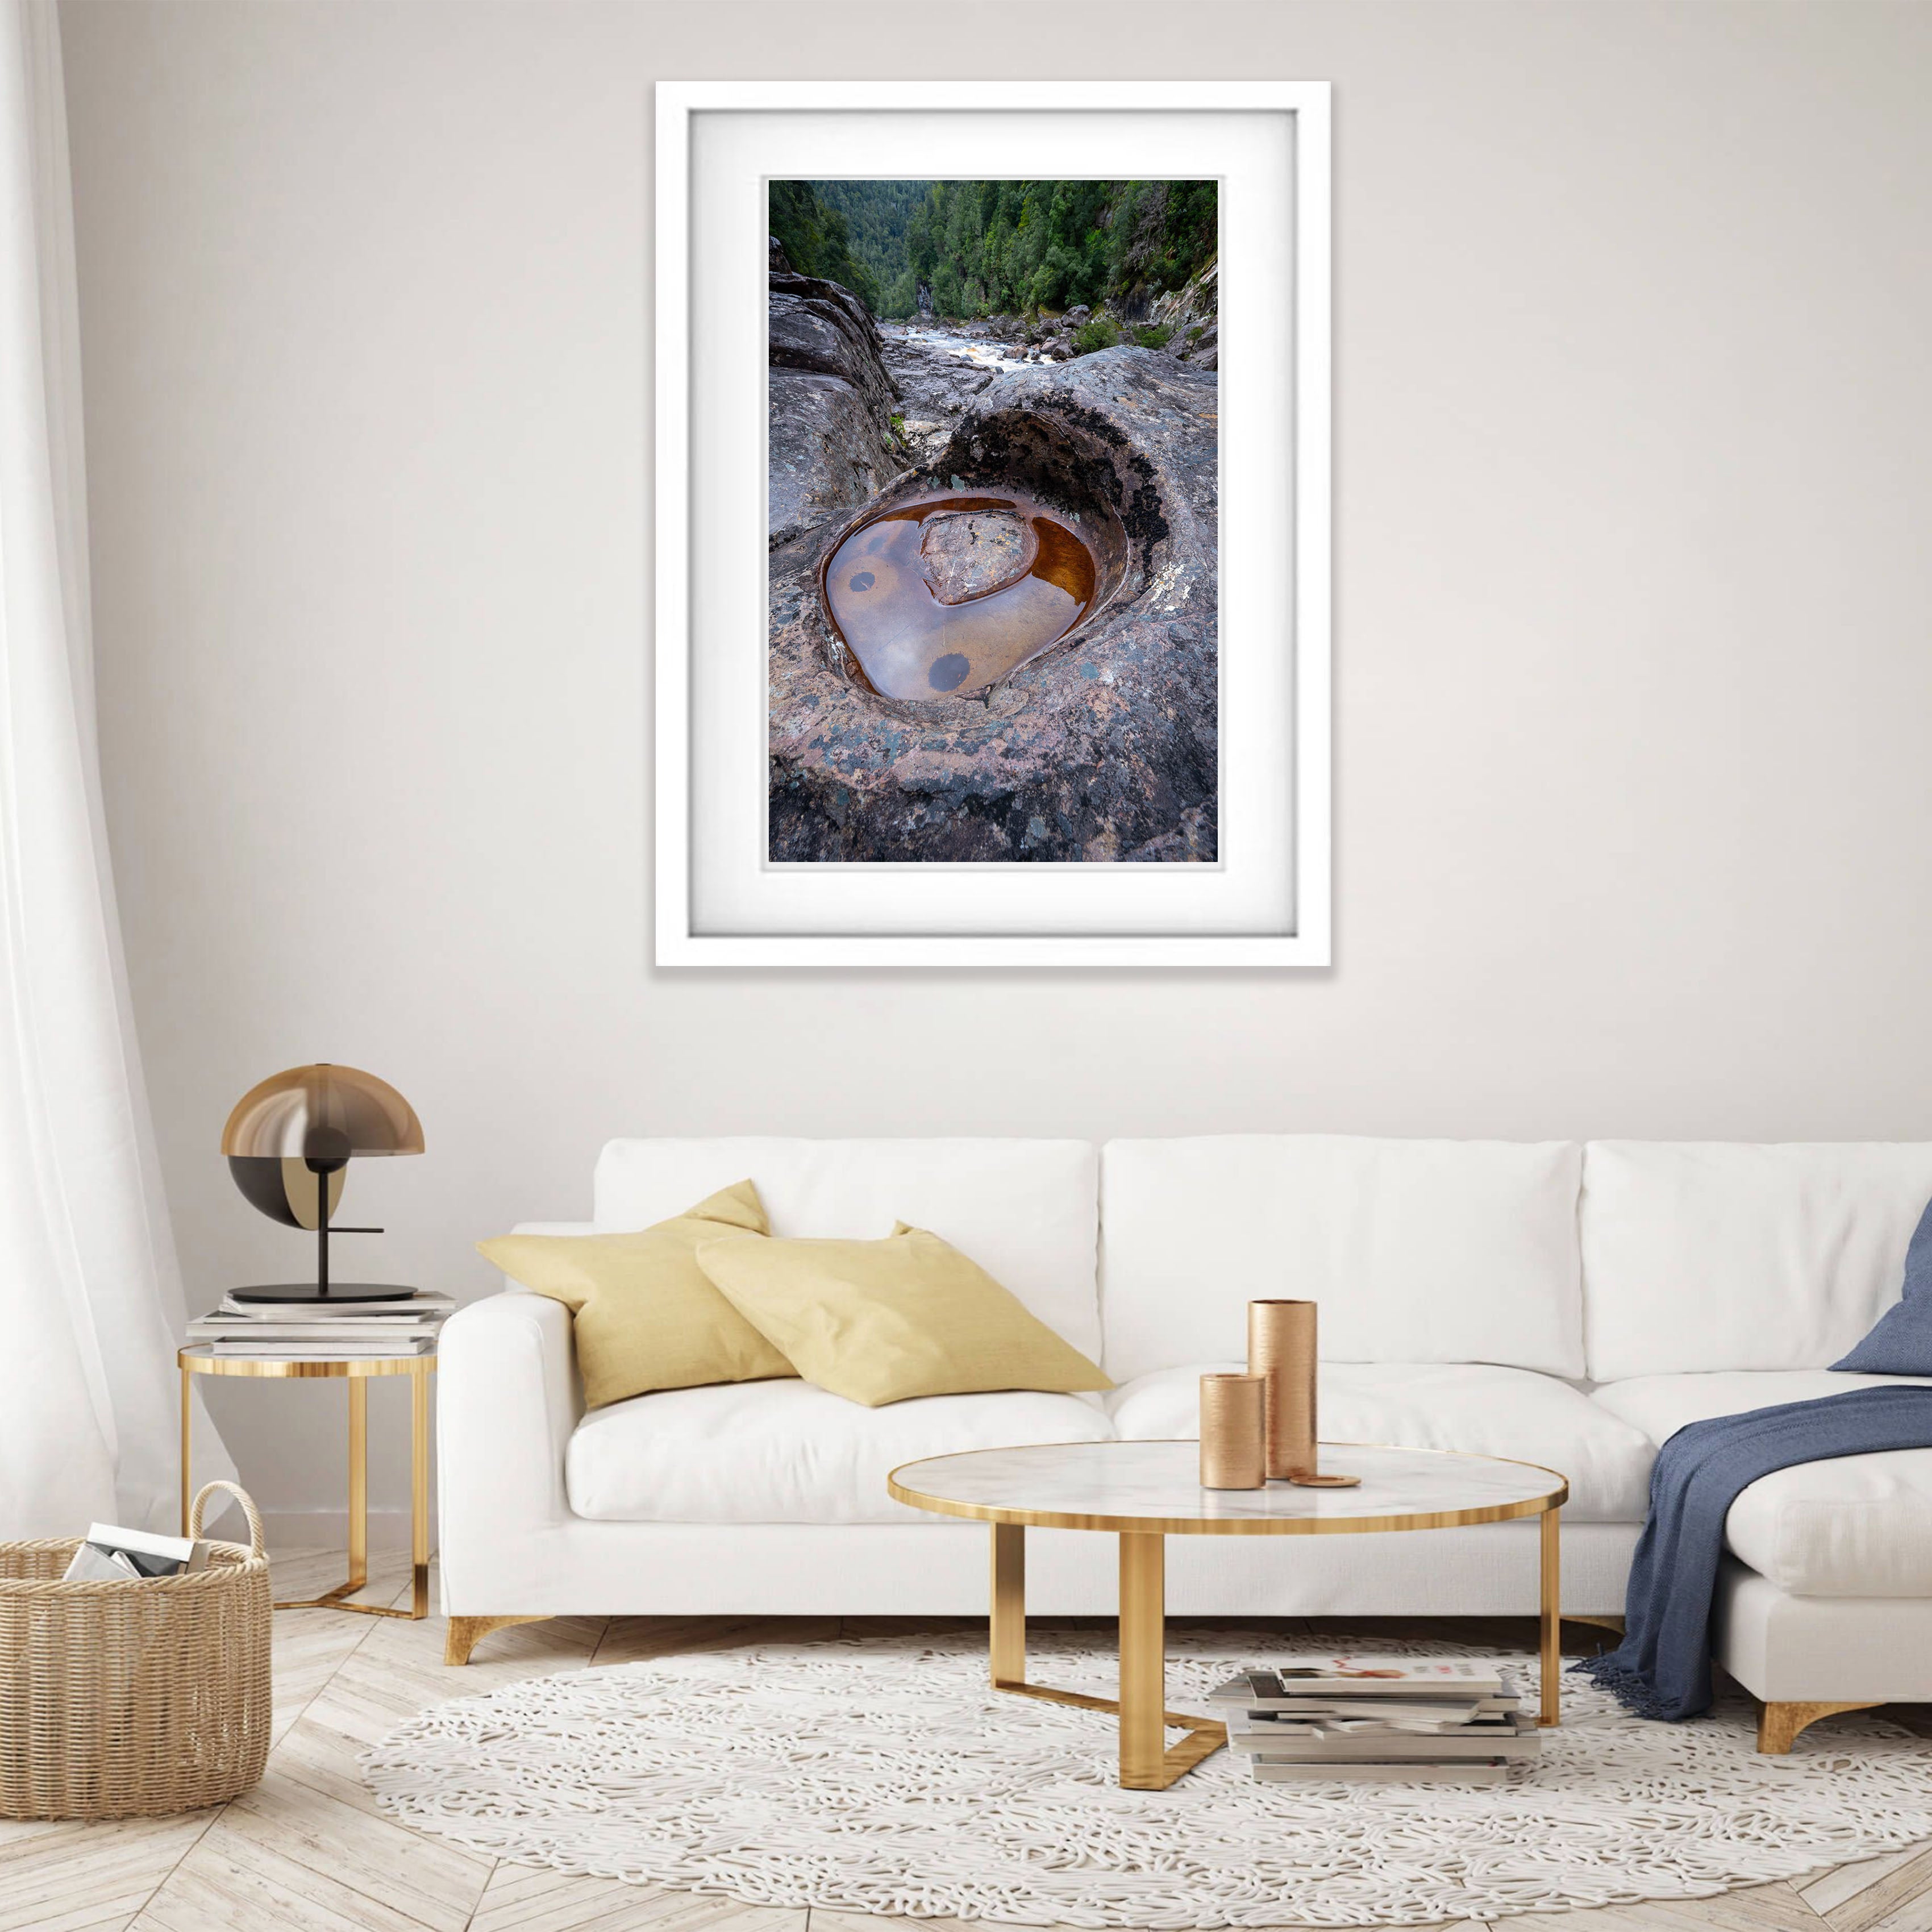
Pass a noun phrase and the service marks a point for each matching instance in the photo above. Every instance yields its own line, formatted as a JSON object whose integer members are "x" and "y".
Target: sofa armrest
{"x": 507, "y": 1403}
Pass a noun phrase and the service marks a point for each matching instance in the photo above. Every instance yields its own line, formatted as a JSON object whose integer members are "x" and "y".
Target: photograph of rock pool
{"x": 993, "y": 475}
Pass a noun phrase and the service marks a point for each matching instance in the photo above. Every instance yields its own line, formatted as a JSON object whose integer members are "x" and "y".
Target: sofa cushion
{"x": 1417, "y": 1251}
{"x": 883, "y": 1322}
{"x": 1853, "y": 1526}
{"x": 1901, "y": 1344}
{"x": 1706, "y": 1255}
{"x": 787, "y": 1452}
{"x": 1024, "y": 1210}
{"x": 643, "y": 1315}
{"x": 1484, "y": 1412}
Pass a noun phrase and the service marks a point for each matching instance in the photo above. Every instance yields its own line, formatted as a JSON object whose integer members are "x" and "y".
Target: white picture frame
{"x": 718, "y": 903}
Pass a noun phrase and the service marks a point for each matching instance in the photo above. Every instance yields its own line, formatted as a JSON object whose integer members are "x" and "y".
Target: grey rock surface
{"x": 931, "y": 381}
{"x": 1103, "y": 748}
{"x": 825, "y": 453}
{"x": 829, "y": 404}
{"x": 1201, "y": 345}
{"x": 934, "y": 386}
{"x": 807, "y": 332}
{"x": 1192, "y": 313}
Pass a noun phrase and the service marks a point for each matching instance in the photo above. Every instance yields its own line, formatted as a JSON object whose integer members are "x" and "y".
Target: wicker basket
{"x": 122, "y": 1700}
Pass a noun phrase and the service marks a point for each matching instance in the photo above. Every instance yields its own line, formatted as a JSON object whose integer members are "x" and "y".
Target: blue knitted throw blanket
{"x": 1663, "y": 1667}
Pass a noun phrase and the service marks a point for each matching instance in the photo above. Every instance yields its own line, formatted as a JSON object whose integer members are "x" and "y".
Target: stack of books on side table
{"x": 1370, "y": 1721}
{"x": 297, "y": 1331}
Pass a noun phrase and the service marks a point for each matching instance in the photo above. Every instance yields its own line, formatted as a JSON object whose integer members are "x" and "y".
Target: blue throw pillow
{"x": 1901, "y": 1344}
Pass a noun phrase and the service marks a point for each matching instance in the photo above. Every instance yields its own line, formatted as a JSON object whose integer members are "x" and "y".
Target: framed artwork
{"x": 992, "y": 524}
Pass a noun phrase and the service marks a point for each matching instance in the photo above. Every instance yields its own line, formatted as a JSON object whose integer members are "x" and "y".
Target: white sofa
{"x": 1565, "y": 1303}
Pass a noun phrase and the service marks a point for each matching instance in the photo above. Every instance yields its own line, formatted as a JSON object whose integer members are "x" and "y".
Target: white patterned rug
{"x": 882, "y": 1775}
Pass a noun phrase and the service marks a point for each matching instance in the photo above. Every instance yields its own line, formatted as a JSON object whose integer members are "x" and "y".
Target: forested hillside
{"x": 985, "y": 247}
{"x": 816, "y": 239}
{"x": 876, "y": 213}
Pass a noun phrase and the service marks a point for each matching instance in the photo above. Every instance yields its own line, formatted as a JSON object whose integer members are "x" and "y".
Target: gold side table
{"x": 357, "y": 1371}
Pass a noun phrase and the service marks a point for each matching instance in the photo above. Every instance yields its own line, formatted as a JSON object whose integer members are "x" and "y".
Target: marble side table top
{"x": 1155, "y": 1487}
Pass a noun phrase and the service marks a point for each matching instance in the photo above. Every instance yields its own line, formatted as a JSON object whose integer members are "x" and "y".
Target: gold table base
{"x": 419, "y": 1368}
{"x": 1148, "y": 1761}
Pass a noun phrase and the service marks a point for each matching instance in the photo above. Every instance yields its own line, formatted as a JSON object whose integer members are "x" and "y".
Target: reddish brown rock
{"x": 971, "y": 554}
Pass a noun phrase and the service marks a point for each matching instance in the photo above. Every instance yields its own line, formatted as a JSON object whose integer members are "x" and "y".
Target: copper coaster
{"x": 1326, "y": 1482}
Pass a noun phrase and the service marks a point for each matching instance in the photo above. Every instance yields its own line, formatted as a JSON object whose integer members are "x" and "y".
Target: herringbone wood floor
{"x": 306, "y": 1851}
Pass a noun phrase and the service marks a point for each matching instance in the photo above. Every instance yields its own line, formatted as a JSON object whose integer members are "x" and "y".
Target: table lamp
{"x": 289, "y": 1141}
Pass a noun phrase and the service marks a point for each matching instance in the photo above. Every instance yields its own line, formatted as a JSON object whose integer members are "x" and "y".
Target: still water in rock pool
{"x": 947, "y": 594}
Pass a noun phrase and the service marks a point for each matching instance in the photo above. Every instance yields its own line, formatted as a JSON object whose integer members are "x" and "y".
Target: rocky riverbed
{"x": 1102, "y": 748}
{"x": 936, "y": 374}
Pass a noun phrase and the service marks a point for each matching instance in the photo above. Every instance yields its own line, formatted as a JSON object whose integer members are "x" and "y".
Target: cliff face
{"x": 830, "y": 401}
{"x": 1193, "y": 313}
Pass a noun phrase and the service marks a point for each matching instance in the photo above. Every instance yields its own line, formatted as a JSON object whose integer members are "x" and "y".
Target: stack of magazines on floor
{"x": 1379, "y": 1720}
{"x": 321, "y": 1331}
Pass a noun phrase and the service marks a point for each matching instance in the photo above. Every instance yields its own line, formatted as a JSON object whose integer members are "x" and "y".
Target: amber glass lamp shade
{"x": 289, "y": 1142}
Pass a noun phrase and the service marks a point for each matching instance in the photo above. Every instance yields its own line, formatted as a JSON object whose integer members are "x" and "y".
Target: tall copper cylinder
{"x": 1233, "y": 1422}
{"x": 1281, "y": 1351}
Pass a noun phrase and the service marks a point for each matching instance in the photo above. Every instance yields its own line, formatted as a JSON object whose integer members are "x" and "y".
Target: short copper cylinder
{"x": 1233, "y": 1420}
{"x": 1281, "y": 1351}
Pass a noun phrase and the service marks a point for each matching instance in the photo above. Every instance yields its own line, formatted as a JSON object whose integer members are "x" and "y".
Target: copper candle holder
{"x": 1233, "y": 1426}
{"x": 1281, "y": 1351}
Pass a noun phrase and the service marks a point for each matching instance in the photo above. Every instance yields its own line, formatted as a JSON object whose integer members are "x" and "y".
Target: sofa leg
{"x": 466, "y": 1633}
{"x": 1779, "y": 1724}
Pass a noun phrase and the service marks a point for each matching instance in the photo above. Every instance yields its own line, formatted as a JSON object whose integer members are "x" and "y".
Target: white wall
{"x": 1633, "y": 682}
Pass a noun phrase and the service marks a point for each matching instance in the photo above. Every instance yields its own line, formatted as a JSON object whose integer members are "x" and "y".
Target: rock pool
{"x": 943, "y": 594}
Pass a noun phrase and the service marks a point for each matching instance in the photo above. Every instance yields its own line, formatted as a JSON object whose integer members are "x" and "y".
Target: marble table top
{"x": 1156, "y": 1486}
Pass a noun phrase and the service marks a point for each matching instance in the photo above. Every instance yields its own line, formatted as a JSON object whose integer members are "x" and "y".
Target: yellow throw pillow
{"x": 647, "y": 1315}
{"x": 877, "y": 1322}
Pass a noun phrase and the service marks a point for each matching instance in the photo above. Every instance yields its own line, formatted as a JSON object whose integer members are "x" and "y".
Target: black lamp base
{"x": 338, "y": 1294}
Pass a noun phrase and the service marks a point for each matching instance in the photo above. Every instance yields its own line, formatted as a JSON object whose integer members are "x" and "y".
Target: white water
{"x": 986, "y": 355}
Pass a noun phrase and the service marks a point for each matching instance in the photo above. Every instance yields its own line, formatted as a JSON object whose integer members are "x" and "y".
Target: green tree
{"x": 877, "y": 214}
{"x": 922, "y": 251}
{"x": 962, "y": 227}
{"x": 1029, "y": 248}
{"x": 816, "y": 239}
{"x": 1055, "y": 280}
{"x": 998, "y": 245}
{"x": 901, "y": 299}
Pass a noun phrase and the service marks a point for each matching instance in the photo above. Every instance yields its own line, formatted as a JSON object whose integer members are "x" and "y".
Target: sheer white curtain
{"x": 91, "y": 1307}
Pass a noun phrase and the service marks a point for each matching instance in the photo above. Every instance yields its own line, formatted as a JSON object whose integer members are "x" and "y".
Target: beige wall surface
{"x": 1632, "y": 680}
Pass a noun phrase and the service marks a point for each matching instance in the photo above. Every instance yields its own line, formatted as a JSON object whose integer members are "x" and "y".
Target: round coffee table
{"x": 1146, "y": 1491}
